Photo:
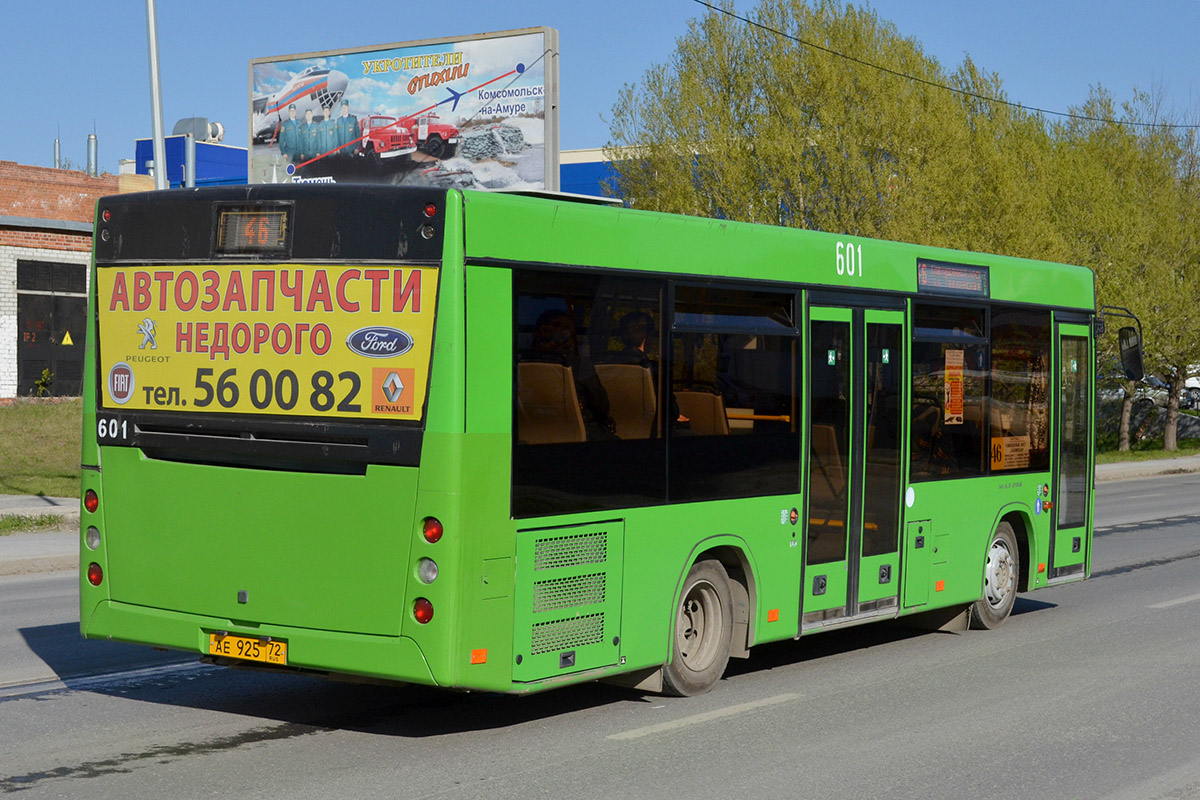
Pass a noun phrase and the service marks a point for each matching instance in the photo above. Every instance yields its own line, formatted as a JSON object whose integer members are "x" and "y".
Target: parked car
{"x": 386, "y": 137}
{"x": 1191, "y": 388}
{"x": 1153, "y": 389}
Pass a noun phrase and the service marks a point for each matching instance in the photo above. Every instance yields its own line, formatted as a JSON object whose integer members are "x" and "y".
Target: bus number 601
{"x": 117, "y": 429}
{"x": 849, "y": 261}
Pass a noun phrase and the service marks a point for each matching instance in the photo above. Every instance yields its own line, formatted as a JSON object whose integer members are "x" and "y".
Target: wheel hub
{"x": 698, "y": 626}
{"x": 1000, "y": 576}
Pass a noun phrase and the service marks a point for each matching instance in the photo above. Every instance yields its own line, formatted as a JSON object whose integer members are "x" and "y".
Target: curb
{"x": 30, "y": 566}
{"x": 1137, "y": 470}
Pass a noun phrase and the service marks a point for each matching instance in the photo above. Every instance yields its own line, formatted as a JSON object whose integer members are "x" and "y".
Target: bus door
{"x": 1070, "y": 512}
{"x": 854, "y": 466}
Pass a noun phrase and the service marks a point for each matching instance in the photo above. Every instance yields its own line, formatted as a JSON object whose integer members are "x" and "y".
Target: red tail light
{"x": 91, "y": 501}
{"x": 430, "y": 210}
{"x": 96, "y": 576}
{"x": 422, "y": 610}
{"x": 432, "y": 530}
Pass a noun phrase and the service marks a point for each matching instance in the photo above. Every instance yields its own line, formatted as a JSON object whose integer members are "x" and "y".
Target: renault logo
{"x": 393, "y": 387}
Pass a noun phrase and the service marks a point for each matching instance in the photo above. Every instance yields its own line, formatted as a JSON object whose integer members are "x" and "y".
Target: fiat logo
{"x": 120, "y": 383}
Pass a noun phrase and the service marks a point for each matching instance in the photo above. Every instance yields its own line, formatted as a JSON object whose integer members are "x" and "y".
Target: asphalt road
{"x": 1089, "y": 691}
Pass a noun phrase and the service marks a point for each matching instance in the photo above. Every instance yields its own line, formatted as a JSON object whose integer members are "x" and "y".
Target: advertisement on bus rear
{"x": 475, "y": 112}
{"x": 291, "y": 340}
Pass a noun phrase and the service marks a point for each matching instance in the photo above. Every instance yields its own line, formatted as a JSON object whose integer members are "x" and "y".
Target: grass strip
{"x": 21, "y": 523}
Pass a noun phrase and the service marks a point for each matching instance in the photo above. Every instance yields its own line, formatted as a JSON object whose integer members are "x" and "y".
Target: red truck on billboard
{"x": 385, "y": 138}
{"x": 438, "y": 139}
{"x": 388, "y": 137}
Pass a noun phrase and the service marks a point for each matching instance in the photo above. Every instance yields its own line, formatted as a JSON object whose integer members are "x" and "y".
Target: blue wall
{"x": 588, "y": 178}
{"x": 216, "y": 164}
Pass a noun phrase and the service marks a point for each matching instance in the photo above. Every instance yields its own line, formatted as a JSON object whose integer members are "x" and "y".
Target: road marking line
{"x": 54, "y": 684}
{"x": 1189, "y": 599}
{"x": 695, "y": 719}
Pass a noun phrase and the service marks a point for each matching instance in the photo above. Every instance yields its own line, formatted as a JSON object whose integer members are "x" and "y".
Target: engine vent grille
{"x": 567, "y": 634}
{"x": 567, "y": 599}
{"x": 581, "y": 590}
{"x": 571, "y": 551}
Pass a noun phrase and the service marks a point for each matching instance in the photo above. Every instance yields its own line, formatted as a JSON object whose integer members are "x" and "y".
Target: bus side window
{"x": 735, "y": 378}
{"x": 1019, "y": 430}
{"x": 949, "y": 370}
{"x": 586, "y": 410}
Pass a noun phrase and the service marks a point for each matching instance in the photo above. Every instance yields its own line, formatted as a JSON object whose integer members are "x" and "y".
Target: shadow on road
{"x": 68, "y": 655}
{"x": 1026, "y": 606}
{"x": 293, "y": 705}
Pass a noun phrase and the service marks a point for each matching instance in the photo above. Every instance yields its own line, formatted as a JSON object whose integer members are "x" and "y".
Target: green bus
{"x": 506, "y": 443}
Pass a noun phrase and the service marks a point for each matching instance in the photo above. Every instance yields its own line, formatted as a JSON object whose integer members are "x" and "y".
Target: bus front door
{"x": 1070, "y": 513}
{"x": 854, "y": 469}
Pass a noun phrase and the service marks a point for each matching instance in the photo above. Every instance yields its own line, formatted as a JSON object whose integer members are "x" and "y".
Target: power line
{"x": 935, "y": 84}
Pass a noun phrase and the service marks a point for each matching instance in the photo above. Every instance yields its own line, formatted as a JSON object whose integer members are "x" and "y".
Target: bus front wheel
{"x": 1000, "y": 575}
{"x": 703, "y": 629}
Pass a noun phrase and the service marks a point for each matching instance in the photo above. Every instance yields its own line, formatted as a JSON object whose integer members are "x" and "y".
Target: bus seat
{"x": 547, "y": 404}
{"x": 631, "y": 400}
{"x": 706, "y": 412}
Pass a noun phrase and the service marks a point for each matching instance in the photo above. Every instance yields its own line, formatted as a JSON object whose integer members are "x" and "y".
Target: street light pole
{"x": 160, "y": 144}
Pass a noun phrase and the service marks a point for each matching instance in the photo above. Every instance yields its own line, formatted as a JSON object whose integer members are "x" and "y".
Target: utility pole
{"x": 160, "y": 144}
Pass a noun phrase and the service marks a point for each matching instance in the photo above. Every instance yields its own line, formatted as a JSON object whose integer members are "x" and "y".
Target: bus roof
{"x": 538, "y": 230}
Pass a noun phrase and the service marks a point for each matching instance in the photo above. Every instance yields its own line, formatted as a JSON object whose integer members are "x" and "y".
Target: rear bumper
{"x": 395, "y": 658}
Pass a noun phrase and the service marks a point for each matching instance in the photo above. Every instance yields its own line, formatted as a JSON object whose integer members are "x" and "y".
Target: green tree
{"x": 746, "y": 123}
{"x": 1127, "y": 205}
{"x": 764, "y": 122}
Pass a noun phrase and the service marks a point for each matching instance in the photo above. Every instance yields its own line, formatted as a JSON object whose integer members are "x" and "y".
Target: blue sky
{"x": 83, "y": 65}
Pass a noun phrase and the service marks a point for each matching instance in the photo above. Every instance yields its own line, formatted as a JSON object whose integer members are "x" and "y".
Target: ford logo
{"x": 379, "y": 341}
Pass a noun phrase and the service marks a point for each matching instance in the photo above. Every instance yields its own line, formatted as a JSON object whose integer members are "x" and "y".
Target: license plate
{"x": 243, "y": 647}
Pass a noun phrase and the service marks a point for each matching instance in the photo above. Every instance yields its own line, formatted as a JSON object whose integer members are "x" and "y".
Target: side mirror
{"x": 1130, "y": 342}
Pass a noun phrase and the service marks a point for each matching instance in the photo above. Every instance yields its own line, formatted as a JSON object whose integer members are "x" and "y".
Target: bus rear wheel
{"x": 1000, "y": 575}
{"x": 703, "y": 629}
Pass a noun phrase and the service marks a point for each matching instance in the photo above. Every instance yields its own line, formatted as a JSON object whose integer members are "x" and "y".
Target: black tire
{"x": 435, "y": 146}
{"x": 1001, "y": 574}
{"x": 703, "y": 627}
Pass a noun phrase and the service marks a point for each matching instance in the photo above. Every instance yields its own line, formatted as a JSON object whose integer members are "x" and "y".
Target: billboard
{"x": 475, "y": 112}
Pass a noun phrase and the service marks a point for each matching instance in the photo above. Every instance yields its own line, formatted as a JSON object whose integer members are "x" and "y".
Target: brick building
{"x": 45, "y": 246}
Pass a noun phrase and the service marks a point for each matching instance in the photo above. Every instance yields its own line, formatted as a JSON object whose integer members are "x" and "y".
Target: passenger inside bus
{"x": 554, "y": 341}
{"x": 635, "y": 329}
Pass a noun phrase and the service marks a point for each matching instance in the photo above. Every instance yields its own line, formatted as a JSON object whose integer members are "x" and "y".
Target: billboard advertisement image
{"x": 477, "y": 112}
